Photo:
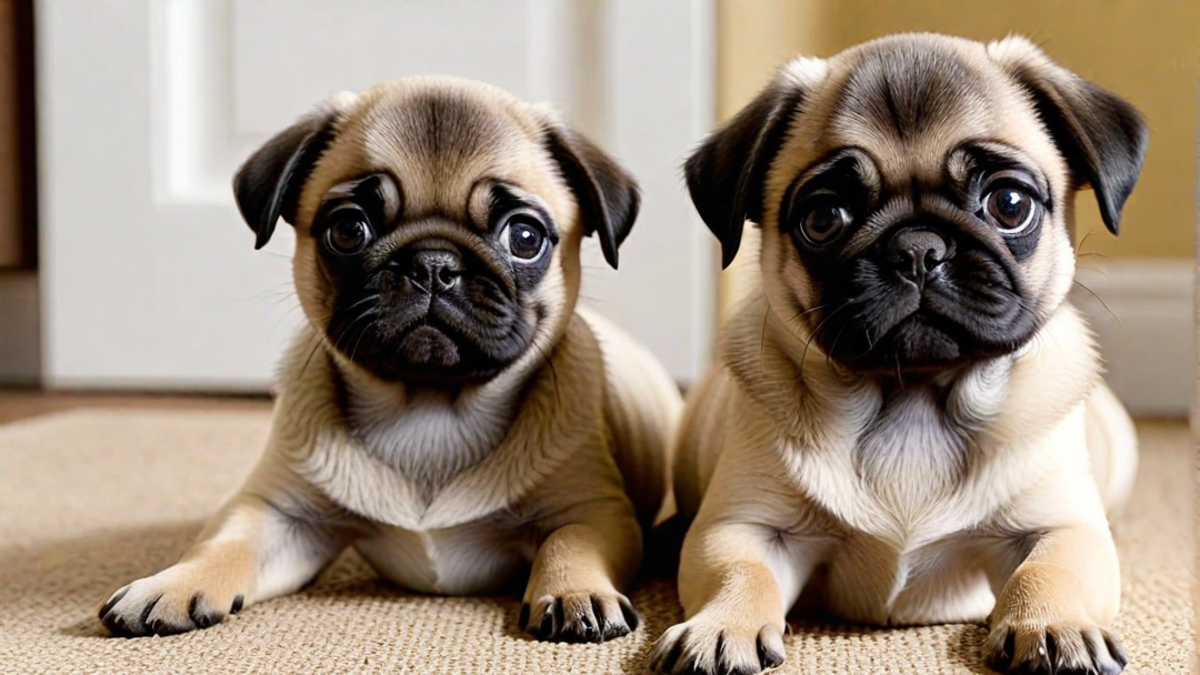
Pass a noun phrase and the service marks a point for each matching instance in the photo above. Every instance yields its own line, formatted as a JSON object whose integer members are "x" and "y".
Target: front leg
{"x": 1054, "y": 614}
{"x": 249, "y": 552}
{"x": 575, "y": 586}
{"x": 736, "y": 582}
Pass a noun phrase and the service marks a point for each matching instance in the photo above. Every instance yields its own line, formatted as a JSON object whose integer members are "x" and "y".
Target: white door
{"x": 146, "y": 107}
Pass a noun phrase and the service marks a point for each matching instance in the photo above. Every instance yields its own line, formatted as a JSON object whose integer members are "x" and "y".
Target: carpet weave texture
{"x": 91, "y": 499}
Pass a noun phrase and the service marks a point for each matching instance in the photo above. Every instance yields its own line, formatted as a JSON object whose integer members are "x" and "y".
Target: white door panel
{"x": 147, "y": 107}
{"x": 665, "y": 290}
{"x": 316, "y": 47}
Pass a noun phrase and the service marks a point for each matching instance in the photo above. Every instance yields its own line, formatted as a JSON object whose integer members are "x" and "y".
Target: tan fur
{"x": 583, "y": 418}
{"x": 767, "y": 462}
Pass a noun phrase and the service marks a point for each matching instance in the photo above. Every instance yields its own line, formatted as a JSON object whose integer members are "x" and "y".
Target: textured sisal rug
{"x": 91, "y": 499}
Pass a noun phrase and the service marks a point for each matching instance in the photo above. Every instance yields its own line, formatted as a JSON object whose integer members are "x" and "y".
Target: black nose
{"x": 917, "y": 253}
{"x": 434, "y": 270}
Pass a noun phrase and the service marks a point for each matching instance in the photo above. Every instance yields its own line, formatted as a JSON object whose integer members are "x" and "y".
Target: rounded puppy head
{"x": 915, "y": 194}
{"x": 438, "y": 224}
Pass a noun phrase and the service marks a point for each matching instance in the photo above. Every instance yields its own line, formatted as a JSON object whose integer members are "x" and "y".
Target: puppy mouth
{"x": 441, "y": 345}
{"x": 434, "y": 338}
{"x": 428, "y": 347}
{"x": 920, "y": 341}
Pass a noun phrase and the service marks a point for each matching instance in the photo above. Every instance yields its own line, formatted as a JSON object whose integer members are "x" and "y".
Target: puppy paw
{"x": 175, "y": 600}
{"x": 1060, "y": 649}
{"x": 710, "y": 646}
{"x": 579, "y": 617}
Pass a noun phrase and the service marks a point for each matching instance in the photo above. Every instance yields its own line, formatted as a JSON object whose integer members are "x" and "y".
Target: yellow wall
{"x": 1147, "y": 51}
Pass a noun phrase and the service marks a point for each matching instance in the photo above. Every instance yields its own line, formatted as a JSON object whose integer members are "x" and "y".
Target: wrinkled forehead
{"x": 908, "y": 105}
{"x": 439, "y": 145}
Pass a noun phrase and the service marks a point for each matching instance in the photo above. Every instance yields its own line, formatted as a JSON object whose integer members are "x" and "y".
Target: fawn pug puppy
{"x": 447, "y": 410}
{"x": 907, "y": 424}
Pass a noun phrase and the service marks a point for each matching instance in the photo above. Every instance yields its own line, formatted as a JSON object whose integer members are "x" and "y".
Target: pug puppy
{"x": 447, "y": 410}
{"x": 907, "y": 424}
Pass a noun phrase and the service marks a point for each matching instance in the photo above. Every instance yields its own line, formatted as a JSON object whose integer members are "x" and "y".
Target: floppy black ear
{"x": 1102, "y": 137}
{"x": 268, "y": 184}
{"x": 725, "y": 174}
{"x": 607, "y": 194}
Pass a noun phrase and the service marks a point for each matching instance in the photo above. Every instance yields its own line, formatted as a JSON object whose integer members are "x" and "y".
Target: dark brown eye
{"x": 349, "y": 234}
{"x": 525, "y": 240}
{"x": 824, "y": 223}
{"x": 1010, "y": 210}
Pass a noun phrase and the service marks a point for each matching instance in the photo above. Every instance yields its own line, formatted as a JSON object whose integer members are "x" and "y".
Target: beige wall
{"x": 1147, "y": 52}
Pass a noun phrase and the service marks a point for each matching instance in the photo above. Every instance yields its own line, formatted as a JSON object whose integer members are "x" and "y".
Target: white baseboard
{"x": 20, "y": 329}
{"x": 1143, "y": 314}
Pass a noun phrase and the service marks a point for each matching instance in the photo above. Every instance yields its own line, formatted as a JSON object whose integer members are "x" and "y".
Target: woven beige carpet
{"x": 90, "y": 500}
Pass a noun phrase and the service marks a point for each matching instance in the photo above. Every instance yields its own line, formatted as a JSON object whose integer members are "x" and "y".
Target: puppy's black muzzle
{"x": 435, "y": 312}
{"x": 923, "y": 298}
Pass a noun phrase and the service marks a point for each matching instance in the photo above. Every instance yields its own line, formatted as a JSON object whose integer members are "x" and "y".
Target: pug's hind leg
{"x": 736, "y": 583}
{"x": 574, "y": 591}
{"x": 247, "y": 553}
